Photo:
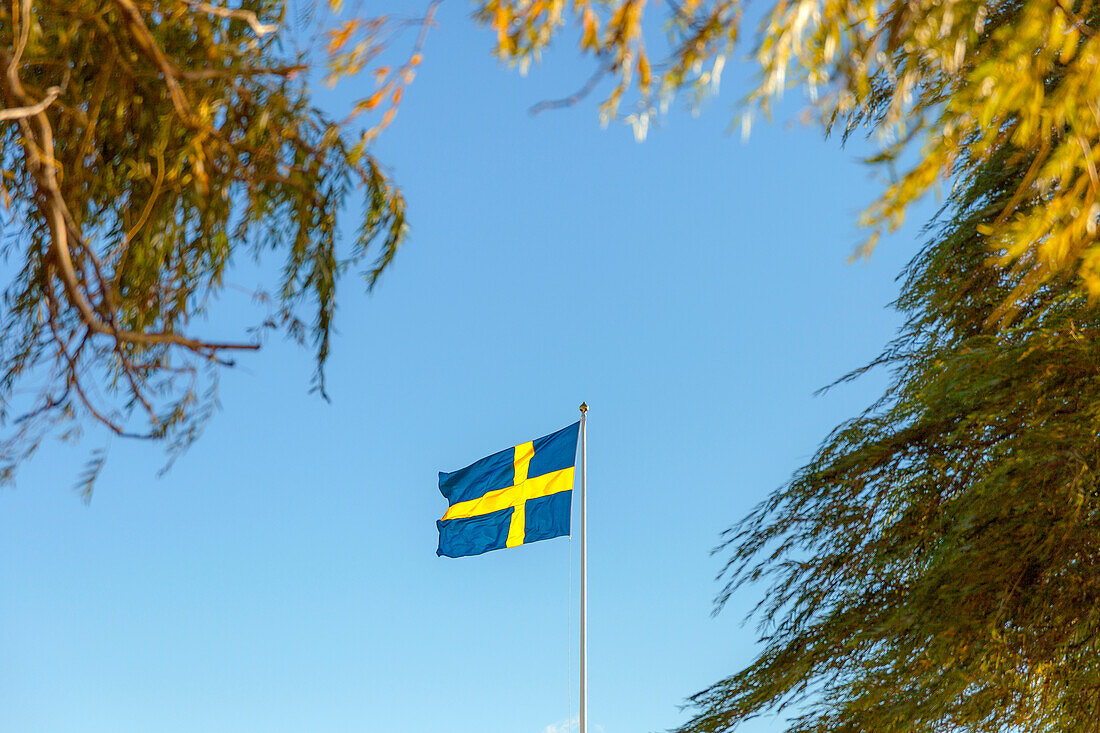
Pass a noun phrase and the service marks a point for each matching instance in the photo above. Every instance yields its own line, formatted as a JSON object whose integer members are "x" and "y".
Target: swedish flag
{"x": 514, "y": 497}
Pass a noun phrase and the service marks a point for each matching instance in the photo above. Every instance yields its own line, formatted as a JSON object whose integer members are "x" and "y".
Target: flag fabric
{"x": 515, "y": 497}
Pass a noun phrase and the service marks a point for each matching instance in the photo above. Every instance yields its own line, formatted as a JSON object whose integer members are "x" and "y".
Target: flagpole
{"x": 583, "y": 720}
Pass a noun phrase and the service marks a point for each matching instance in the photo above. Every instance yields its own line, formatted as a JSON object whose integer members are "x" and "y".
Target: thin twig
{"x": 1076, "y": 19}
{"x": 260, "y": 29}
{"x": 73, "y": 378}
{"x": 1089, "y": 163}
{"x": 149, "y": 46}
{"x": 203, "y": 74}
{"x": 574, "y": 98}
{"x": 18, "y": 113}
{"x": 148, "y": 204}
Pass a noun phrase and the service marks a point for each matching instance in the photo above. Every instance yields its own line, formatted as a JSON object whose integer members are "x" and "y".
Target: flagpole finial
{"x": 584, "y": 407}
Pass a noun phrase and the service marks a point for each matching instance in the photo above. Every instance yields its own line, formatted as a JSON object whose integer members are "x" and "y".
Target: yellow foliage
{"x": 591, "y": 37}
{"x": 373, "y": 37}
{"x": 954, "y": 85}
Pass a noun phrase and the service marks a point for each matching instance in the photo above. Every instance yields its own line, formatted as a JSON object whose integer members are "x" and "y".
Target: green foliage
{"x": 145, "y": 145}
{"x": 936, "y": 566}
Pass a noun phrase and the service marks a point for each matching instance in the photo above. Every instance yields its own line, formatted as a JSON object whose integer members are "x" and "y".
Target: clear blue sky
{"x": 694, "y": 289}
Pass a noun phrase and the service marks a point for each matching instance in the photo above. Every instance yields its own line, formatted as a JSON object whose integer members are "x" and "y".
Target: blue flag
{"x": 514, "y": 497}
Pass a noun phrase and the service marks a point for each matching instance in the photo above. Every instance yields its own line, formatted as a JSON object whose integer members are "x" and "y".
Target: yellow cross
{"x": 516, "y": 496}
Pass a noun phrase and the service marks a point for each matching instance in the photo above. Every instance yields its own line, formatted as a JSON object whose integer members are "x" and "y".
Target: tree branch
{"x": 260, "y": 29}
{"x": 149, "y": 46}
{"x": 40, "y": 153}
{"x": 19, "y": 113}
{"x": 575, "y": 97}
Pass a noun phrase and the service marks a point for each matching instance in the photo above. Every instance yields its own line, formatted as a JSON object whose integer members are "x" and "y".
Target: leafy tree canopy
{"x": 936, "y": 566}
{"x": 146, "y": 140}
{"x": 933, "y": 568}
{"x": 943, "y": 86}
{"x": 144, "y": 145}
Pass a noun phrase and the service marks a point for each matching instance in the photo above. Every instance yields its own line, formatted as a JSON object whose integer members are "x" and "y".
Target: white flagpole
{"x": 583, "y": 720}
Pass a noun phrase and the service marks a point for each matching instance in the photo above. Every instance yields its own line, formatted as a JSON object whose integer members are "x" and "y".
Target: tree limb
{"x": 260, "y": 29}
{"x": 21, "y": 112}
{"x": 575, "y": 97}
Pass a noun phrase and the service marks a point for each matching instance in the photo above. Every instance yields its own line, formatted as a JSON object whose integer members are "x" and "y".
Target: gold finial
{"x": 584, "y": 407}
